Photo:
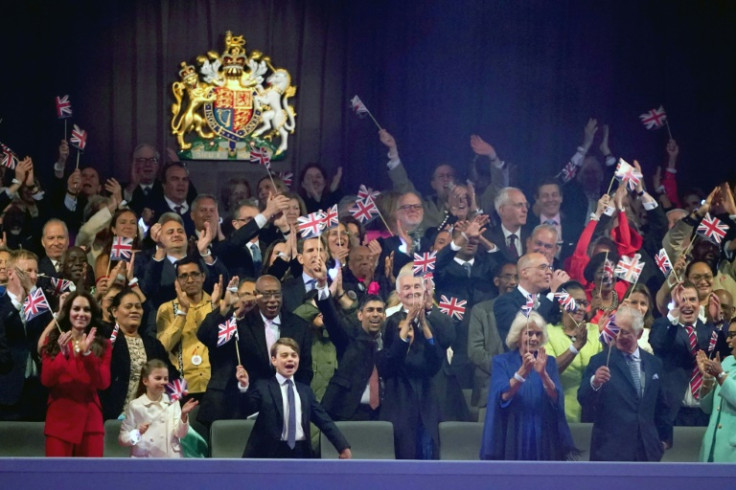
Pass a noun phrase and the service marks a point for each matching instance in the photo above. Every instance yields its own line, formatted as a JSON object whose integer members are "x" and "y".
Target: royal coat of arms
{"x": 233, "y": 104}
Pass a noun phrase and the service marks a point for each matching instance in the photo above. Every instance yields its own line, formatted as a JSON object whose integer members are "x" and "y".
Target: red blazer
{"x": 74, "y": 407}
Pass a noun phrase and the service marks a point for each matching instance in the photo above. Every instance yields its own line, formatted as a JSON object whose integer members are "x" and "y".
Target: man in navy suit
{"x": 285, "y": 408}
{"x": 626, "y": 398}
{"x": 535, "y": 277}
{"x": 510, "y": 236}
{"x": 675, "y": 340}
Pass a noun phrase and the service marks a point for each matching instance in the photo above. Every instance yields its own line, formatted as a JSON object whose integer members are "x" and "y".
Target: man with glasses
{"x": 510, "y": 236}
{"x": 144, "y": 189}
{"x": 409, "y": 238}
{"x": 535, "y": 277}
{"x": 177, "y": 323}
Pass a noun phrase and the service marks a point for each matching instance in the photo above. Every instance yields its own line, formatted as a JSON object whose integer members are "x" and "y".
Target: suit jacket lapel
{"x": 622, "y": 365}
{"x": 304, "y": 399}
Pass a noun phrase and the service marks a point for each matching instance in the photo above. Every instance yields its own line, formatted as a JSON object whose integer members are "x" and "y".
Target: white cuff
{"x": 648, "y": 205}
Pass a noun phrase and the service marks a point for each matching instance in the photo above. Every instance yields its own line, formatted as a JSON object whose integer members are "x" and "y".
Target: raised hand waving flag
{"x": 361, "y": 110}
{"x": 627, "y": 174}
{"x": 663, "y": 262}
{"x": 610, "y": 331}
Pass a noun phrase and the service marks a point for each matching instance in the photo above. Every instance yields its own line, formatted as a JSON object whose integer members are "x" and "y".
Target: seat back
{"x": 22, "y": 439}
{"x": 368, "y": 440}
{"x": 113, "y": 449}
{"x": 460, "y": 440}
{"x": 686, "y": 442}
{"x": 228, "y": 437}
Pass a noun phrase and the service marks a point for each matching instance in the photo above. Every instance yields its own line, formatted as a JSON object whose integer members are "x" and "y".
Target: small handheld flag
{"x": 627, "y": 174}
{"x": 114, "y": 335}
{"x": 286, "y": 177}
{"x": 79, "y": 138}
{"x": 366, "y": 192}
{"x": 63, "y": 107}
{"x": 361, "y": 110}
{"x": 330, "y": 219}
{"x": 654, "y": 119}
{"x": 663, "y": 262}
{"x": 177, "y": 389}
{"x": 566, "y": 301}
{"x": 35, "y": 304}
{"x": 452, "y": 307}
{"x": 260, "y": 156}
{"x": 122, "y": 248}
{"x": 629, "y": 268}
{"x": 364, "y": 210}
{"x": 712, "y": 228}
{"x": 311, "y": 225}
{"x": 60, "y": 285}
{"x": 226, "y": 331}
{"x": 423, "y": 263}
{"x": 528, "y": 307}
{"x": 610, "y": 331}
{"x": 9, "y": 158}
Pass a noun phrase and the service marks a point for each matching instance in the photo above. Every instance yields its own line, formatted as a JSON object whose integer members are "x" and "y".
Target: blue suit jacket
{"x": 624, "y": 423}
{"x": 508, "y": 305}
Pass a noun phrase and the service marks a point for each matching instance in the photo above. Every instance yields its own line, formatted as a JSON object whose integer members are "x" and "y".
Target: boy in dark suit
{"x": 280, "y": 402}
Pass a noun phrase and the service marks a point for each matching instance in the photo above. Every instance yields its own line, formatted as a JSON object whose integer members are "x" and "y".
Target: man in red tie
{"x": 676, "y": 339}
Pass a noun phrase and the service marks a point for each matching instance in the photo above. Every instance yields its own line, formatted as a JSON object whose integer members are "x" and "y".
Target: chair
{"x": 686, "y": 442}
{"x": 581, "y": 432}
{"x": 113, "y": 449}
{"x": 472, "y": 409}
{"x": 228, "y": 437}
{"x": 22, "y": 439}
{"x": 368, "y": 440}
{"x": 460, "y": 440}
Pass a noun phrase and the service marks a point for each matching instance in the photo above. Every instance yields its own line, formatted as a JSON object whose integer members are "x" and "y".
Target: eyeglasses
{"x": 541, "y": 267}
{"x": 730, "y": 333}
{"x": 269, "y": 295}
{"x": 533, "y": 333}
{"x": 705, "y": 277}
{"x": 520, "y": 205}
{"x": 413, "y": 207}
{"x": 146, "y": 160}
{"x": 191, "y": 275}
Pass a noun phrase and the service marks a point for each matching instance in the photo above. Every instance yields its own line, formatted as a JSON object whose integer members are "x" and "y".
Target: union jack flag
{"x": 566, "y": 301}
{"x": 10, "y": 159}
{"x": 663, "y": 262}
{"x": 122, "y": 248}
{"x": 628, "y": 174}
{"x": 610, "y": 331}
{"x": 330, "y": 218}
{"x": 61, "y": 285}
{"x": 311, "y": 225}
{"x": 35, "y": 304}
{"x": 452, "y": 307}
{"x": 654, "y": 119}
{"x": 114, "y": 335}
{"x": 177, "y": 389}
{"x": 528, "y": 307}
{"x": 712, "y": 228}
{"x": 286, "y": 177}
{"x": 364, "y": 210}
{"x": 366, "y": 192}
{"x": 63, "y": 107}
{"x": 629, "y": 268}
{"x": 226, "y": 331}
{"x": 358, "y": 106}
{"x": 79, "y": 138}
{"x": 423, "y": 263}
{"x": 713, "y": 341}
{"x": 568, "y": 172}
{"x": 260, "y": 156}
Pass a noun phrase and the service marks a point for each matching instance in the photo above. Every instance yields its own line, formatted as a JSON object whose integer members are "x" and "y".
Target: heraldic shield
{"x": 231, "y": 104}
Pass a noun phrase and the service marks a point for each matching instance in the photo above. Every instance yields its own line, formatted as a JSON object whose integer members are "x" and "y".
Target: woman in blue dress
{"x": 525, "y": 419}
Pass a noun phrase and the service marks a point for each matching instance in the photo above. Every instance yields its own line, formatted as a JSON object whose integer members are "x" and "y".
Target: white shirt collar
{"x": 506, "y": 232}
{"x": 274, "y": 321}
{"x": 282, "y": 379}
{"x": 172, "y": 205}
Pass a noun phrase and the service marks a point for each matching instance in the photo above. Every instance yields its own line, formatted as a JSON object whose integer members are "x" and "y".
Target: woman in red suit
{"x": 76, "y": 363}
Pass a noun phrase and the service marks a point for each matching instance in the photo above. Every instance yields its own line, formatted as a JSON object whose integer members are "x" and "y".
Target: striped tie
{"x": 696, "y": 379}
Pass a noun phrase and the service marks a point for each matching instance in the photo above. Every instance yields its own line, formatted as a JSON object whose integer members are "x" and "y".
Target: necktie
{"x": 635, "y": 374}
{"x": 696, "y": 378}
{"x": 512, "y": 246}
{"x": 146, "y": 189}
{"x": 468, "y": 268}
{"x": 270, "y": 335}
{"x": 373, "y": 394}
{"x": 291, "y": 425}
{"x": 309, "y": 285}
{"x": 257, "y": 257}
{"x": 178, "y": 209}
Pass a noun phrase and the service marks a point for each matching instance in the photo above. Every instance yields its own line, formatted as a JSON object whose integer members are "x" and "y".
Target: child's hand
{"x": 242, "y": 375}
{"x": 142, "y": 428}
{"x": 188, "y": 407}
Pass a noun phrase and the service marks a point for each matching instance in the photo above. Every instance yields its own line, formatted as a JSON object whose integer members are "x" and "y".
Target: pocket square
{"x": 655, "y": 376}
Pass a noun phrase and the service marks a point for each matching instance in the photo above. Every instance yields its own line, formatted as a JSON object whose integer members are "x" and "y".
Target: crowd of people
{"x": 473, "y": 287}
